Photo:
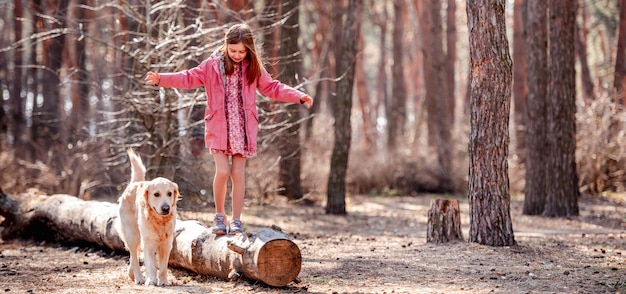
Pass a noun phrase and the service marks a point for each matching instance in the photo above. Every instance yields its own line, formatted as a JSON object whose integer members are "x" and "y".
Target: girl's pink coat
{"x": 208, "y": 74}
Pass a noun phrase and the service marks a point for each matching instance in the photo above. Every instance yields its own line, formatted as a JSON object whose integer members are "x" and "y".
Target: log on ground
{"x": 62, "y": 218}
{"x": 268, "y": 255}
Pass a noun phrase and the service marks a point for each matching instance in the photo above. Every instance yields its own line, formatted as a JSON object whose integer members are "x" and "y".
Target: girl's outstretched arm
{"x": 187, "y": 79}
{"x": 276, "y": 90}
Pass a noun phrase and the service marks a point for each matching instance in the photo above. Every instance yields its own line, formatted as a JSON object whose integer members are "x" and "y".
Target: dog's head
{"x": 161, "y": 196}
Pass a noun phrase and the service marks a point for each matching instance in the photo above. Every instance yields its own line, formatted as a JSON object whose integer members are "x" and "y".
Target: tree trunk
{"x": 620, "y": 59}
{"x": 289, "y": 140}
{"x": 34, "y": 86}
{"x": 536, "y": 113}
{"x": 268, "y": 256}
{"x": 336, "y": 189}
{"x": 236, "y": 10}
{"x": 415, "y": 78}
{"x": 396, "y": 114}
{"x": 444, "y": 221}
{"x": 562, "y": 198}
{"x": 47, "y": 123}
{"x": 4, "y": 118}
{"x": 5, "y": 40}
{"x": 520, "y": 90}
{"x": 437, "y": 106}
{"x": 320, "y": 54}
{"x": 451, "y": 57}
{"x": 581, "y": 51}
{"x": 381, "y": 20}
{"x": 271, "y": 36}
{"x": 491, "y": 81}
{"x": 17, "y": 117}
{"x": 362, "y": 94}
{"x": 80, "y": 77}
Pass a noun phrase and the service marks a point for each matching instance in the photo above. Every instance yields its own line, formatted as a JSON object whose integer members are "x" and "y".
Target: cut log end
{"x": 279, "y": 262}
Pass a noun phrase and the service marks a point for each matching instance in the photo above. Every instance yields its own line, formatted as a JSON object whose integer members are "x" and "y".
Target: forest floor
{"x": 379, "y": 247}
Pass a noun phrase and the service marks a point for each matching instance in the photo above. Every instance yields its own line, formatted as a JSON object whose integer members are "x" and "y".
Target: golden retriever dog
{"x": 147, "y": 219}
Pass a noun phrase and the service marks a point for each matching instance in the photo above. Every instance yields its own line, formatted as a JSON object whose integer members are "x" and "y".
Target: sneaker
{"x": 219, "y": 224}
{"x": 236, "y": 227}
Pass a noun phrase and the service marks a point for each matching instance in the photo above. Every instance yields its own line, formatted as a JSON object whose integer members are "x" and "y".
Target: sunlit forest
{"x": 452, "y": 146}
{"x": 73, "y": 96}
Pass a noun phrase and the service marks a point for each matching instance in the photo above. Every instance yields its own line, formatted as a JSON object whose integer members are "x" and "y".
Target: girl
{"x": 231, "y": 77}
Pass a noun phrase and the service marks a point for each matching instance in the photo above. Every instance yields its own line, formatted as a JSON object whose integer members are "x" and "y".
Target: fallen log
{"x": 268, "y": 256}
{"x": 61, "y": 218}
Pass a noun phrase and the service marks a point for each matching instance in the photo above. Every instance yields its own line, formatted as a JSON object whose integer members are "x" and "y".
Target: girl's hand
{"x": 306, "y": 99}
{"x": 152, "y": 78}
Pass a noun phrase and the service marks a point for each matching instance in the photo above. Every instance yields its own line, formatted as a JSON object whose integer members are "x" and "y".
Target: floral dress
{"x": 235, "y": 116}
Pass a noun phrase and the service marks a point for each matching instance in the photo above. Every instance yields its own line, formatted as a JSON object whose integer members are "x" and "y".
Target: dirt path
{"x": 380, "y": 247}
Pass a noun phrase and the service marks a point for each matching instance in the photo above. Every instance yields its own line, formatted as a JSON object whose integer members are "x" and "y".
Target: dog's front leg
{"x": 134, "y": 270}
{"x": 134, "y": 248}
{"x": 149, "y": 256}
{"x": 163, "y": 257}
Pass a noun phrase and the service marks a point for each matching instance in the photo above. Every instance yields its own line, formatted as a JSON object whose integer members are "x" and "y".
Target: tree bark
{"x": 444, "y": 221}
{"x": 491, "y": 81}
{"x": 562, "y": 198}
{"x": 363, "y": 96}
{"x": 79, "y": 93}
{"x": 536, "y": 113}
{"x": 5, "y": 39}
{"x": 17, "y": 117}
{"x": 437, "y": 106}
{"x": 289, "y": 141}
{"x": 236, "y": 10}
{"x": 268, "y": 255}
{"x": 581, "y": 51}
{"x": 47, "y": 123}
{"x": 336, "y": 189}
{"x": 520, "y": 90}
{"x": 396, "y": 116}
{"x": 620, "y": 59}
{"x": 451, "y": 57}
{"x": 34, "y": 72}
{"x": 381, "y": 20}
{"x": 320, "y": 55}
{"x": 415, "y": 78}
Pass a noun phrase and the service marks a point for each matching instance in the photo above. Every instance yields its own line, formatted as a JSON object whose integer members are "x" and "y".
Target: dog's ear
{"x": 177, "y": 196}
{"x": 146, "y": 194}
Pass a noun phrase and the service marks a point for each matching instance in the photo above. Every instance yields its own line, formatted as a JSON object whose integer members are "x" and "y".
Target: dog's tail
{"x": 138, "y": 170}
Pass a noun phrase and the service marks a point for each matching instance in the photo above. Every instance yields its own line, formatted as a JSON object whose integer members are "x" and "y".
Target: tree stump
{"x": 444, "y": 221}
{"x": 268, "y": 255}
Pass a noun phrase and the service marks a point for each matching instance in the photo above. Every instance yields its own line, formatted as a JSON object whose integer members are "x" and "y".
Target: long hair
{"x": 242, "y": 33}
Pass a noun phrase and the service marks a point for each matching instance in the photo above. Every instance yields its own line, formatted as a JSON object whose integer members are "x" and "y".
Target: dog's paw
{"x": 151, "y": 282}
{"x": 139, "y": 280}
{"x": 163, "y": 282}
